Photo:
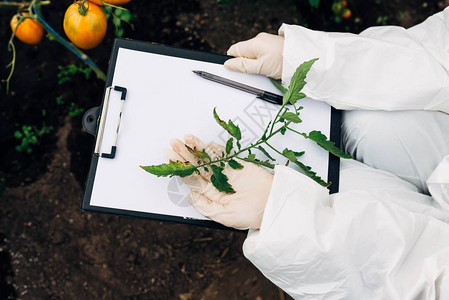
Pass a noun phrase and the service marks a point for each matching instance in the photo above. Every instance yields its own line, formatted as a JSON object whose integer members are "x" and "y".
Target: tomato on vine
{"x": 85, "y": 24}
{"x": 28, "y": 31}
{"x": 112, "y": 2}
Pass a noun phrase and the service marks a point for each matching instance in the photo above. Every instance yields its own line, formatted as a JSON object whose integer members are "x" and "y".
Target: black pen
{"x": 264, "y": 95}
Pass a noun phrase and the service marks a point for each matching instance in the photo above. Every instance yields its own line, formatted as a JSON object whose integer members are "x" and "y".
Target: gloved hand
{"x": 252, "y": 184}
{"x": 259, "y": 55}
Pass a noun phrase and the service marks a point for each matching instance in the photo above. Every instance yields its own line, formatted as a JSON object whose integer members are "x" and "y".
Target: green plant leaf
{"x": 289, "y": 154}
{"x": 220, "y": 180}
{"x": 265, "y": 152}
{"x": 295, "y": 97}
{"x": 199, "y": 154}
{"x": 308, "y": 171}
{"x": 229, "y": 145}
{"x": 278, "y": 86}
{"x": 235, "y": 164}
{"x": 172, "y": 168}
{"x": 252, "y": 156}
{"x": 326, "y": 144}
{"x": 230, "y": 127}
{"x": 298, "y": 154}
{"x": 292, "y": 117}
{"x": 298, "y": 81}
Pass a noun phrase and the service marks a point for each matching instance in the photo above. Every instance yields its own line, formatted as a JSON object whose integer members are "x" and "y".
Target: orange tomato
{"x": 113, "y": 2}
{"x": 346, "y": 13}
{"x": 85, "y": 25}
{"x": 344, "y": 3}
{"x": 29, "y": 30}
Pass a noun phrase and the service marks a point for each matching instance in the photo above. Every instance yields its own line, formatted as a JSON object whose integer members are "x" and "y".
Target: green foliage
{"x": 287, "y": 114}
{"x": 119, "y": 16}
{"x": 66, "y": 73}
{"x": 220, "y": 180}
{"x": 230, "y": 127}
{"x": 29, "y": 136}
{"x": 172, "y": 168}
{"x": 74, "y": 110}
{"x": 314, "y": 3}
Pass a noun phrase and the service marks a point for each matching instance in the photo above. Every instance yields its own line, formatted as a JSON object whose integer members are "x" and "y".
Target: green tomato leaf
{"x": 295, "y": 97}
{"x": 229, "y": 145}
{"x": 262, "y": 149}
{"x": 235, "y": 164}
{"x": 252, "y": 156}
{"x": 326, "y": 144}
{"x": 298, "y": 81}
{"x": 289, "y": 154}
{"x": 292, "y": 117}
{"x": 308, "y": 171}
{"x": 172, "y": 168}
{"x": 220, "y": 180}
{"x": 278, "y": 86}
{"x": 230, "y": 127}
{"x": 199, "y": 154}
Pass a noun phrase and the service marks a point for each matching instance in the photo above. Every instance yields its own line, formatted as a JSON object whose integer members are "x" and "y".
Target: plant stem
{"x": 301, "y": 133}
{"x": 20, "y": 4}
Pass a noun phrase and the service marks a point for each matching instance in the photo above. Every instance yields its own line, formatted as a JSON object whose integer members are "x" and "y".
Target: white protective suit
{"x": 381, "y": 236}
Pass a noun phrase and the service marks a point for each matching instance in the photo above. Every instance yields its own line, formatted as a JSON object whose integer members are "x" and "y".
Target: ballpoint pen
{"x": 264, "y": 95}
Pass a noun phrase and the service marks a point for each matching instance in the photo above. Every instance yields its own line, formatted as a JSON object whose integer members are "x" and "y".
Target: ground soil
{"x": 49, "y": 248}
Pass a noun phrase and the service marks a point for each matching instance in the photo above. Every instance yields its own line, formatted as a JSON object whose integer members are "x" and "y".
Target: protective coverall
{"x": 385, "y": 235}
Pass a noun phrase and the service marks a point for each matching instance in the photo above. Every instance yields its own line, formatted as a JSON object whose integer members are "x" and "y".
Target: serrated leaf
{"x": 262, "y": 149}
{"x": 322, "y": 141}
{"x": 308, "y": 171}
{"x": 229, "y": 145}
{"x": 220, "y": 180}
{"x": 278, "y": 86}
{"x": 298, "y": 80}
{"x": 172, "y": 168}
{"x": 235, "y": 164}
{"x": 230, "y": 127}
{"x": 292, "y": 117}
{"x": 289, "y": 154}
{"x": 199, "y": 154}
{"x": 298, "y": 154}
{"x": 252, "y": 156}
{"x": 295, "y": 97}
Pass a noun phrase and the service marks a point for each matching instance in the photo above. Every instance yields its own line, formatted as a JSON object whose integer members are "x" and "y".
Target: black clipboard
{"x": 93, "y": 118}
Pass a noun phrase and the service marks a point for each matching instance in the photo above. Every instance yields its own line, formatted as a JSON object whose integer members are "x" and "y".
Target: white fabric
{"x": 379, "y": 237}
{"x": 409, "y": 144}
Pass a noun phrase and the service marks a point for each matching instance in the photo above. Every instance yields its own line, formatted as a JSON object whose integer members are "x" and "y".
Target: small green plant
{"x": 66, "y": 73}
{"x": 74, "y": 110}
{"x": 119, "y": 16}
{"x": 60, "y": 100}
{"x": 29, "y": 136}
{"x": 280, "y": 124}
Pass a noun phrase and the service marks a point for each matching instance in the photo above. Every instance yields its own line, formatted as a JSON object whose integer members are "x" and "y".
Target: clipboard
{"x": 152, "y": 95}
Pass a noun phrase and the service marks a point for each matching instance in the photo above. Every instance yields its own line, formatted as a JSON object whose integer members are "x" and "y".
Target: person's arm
{"x": 388, "y": 67}
{"x": 378, "y": 237}
{"x": 357, "y": 244}
{"x": 383, "y": 68}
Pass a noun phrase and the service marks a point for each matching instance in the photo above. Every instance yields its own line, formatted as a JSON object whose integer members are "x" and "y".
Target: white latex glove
{"x": 259, "y": 55}
{"x": 252, "y": 184}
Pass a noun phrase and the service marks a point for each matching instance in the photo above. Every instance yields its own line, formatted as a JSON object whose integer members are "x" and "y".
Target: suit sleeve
{"x": 357, "y": 244}
{"x": 382, "y": 68}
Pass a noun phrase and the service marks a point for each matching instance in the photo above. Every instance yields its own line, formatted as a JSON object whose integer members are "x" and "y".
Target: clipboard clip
{"x": 92, "y": 120}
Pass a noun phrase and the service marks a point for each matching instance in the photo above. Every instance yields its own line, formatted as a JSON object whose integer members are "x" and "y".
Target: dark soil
{"x": 49, "y": 249}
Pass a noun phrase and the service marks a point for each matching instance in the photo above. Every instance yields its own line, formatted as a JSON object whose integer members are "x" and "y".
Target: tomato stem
{"x": 82, "y": 9}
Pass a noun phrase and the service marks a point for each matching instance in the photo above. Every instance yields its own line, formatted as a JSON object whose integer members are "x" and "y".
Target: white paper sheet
{"x": 165, "y": 99}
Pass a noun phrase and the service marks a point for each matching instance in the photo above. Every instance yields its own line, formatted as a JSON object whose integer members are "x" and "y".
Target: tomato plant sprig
{"x": 288, "y": 113}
